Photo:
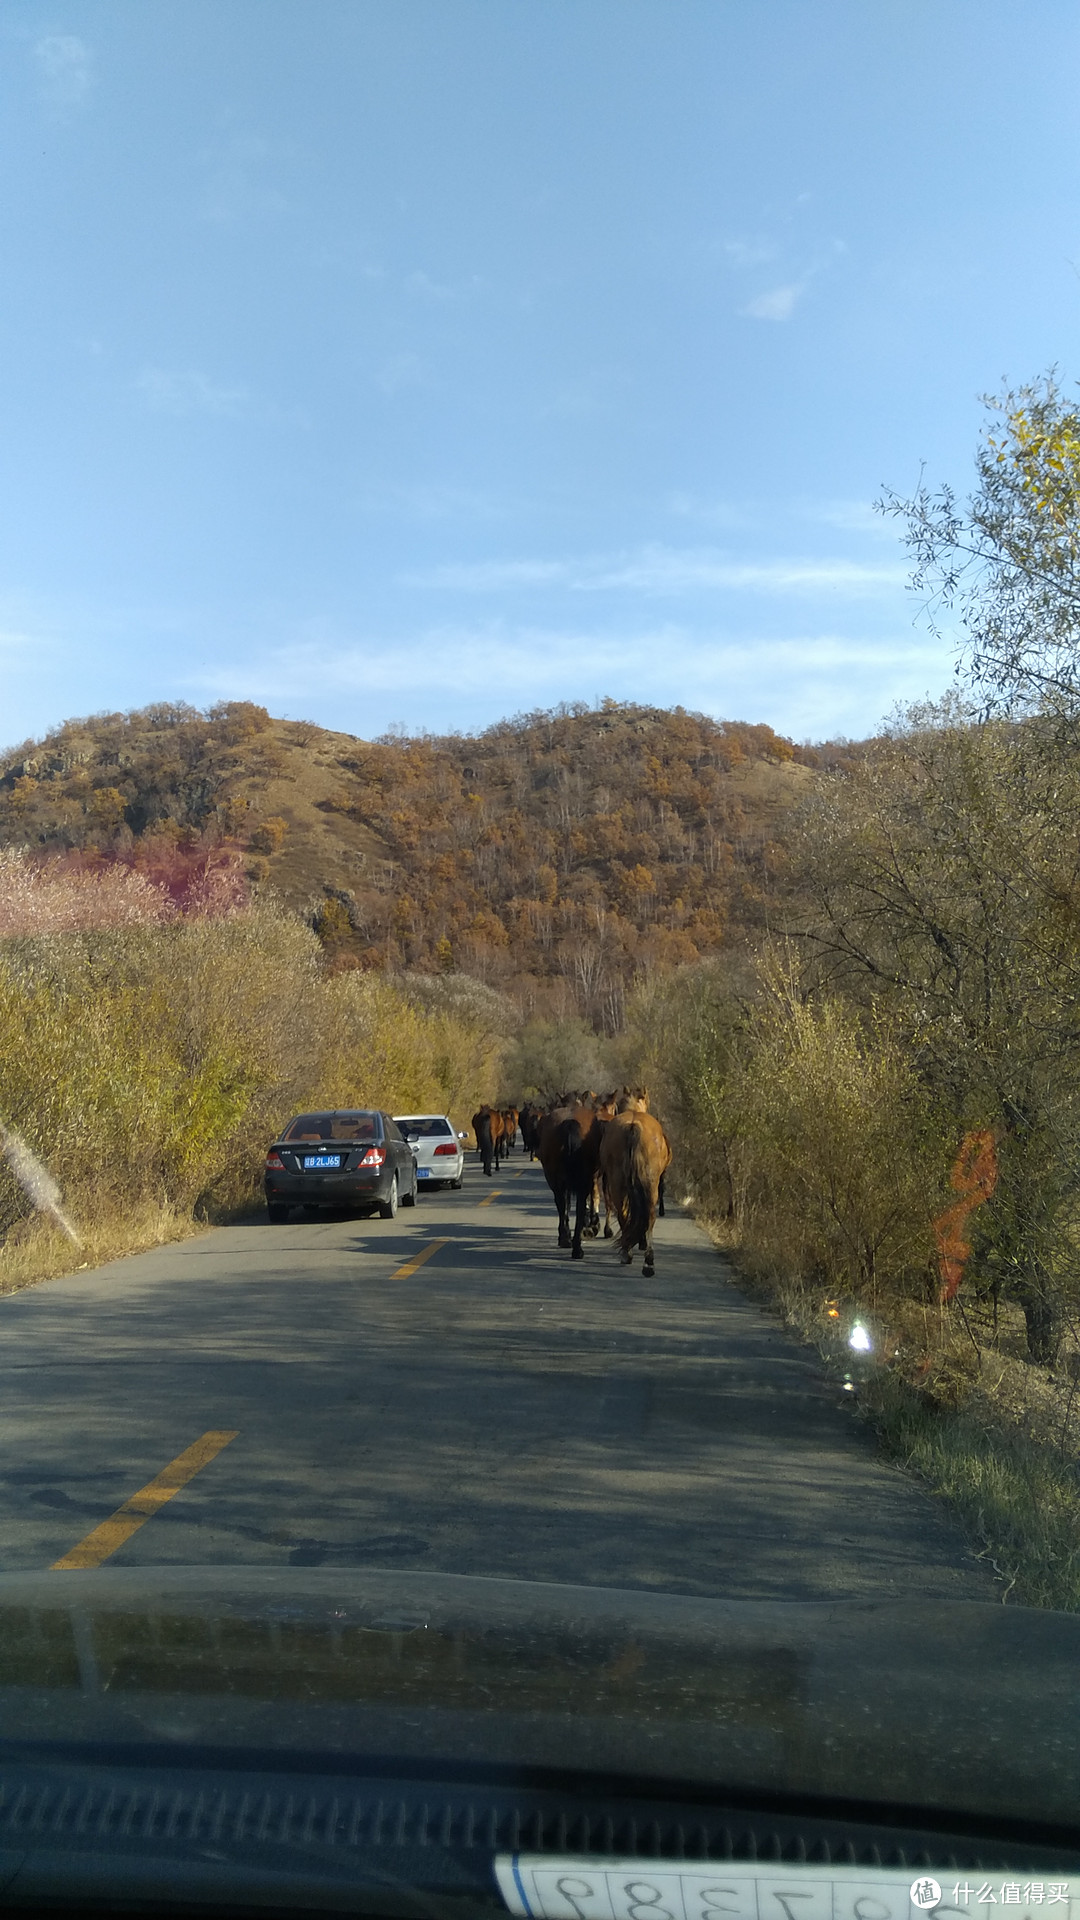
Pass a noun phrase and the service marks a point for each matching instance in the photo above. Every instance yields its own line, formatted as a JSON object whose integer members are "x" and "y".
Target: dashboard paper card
{"x": 539, "y": 1886}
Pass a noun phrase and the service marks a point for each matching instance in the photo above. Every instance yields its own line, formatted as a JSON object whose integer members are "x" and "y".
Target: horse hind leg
{"x": 581, "y": 1224}
{"x": 648, "y": 1265}
{"x": 562, "y": 1203}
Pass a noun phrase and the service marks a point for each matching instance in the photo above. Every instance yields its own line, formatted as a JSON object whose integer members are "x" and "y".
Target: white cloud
{"x": 657, "y": 569}
{"x": 779, "y": 304}
{"x": 660, "y": 570}
{"x": 66, "y": 66}
{"x": 439, "y": 291}
{"x": 184, "y": 391}
{"x": 849, "y": 516}
{"x": 750, "y": 253}
{"x": 807, "y": 685}
{"x": 14, "y": 641}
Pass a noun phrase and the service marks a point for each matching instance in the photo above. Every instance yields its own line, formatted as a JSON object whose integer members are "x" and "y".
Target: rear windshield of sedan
{"x": 426, "y": 1128}
{"x": 333, "y": 1126}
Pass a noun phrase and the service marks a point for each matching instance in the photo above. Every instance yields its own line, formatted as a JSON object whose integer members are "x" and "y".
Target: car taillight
{"x": 275, "y": 1163}
{"x": 374, "y": 1157}
{"x": 446, "y": 1149}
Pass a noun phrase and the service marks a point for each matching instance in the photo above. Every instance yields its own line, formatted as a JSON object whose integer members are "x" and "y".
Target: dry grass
{"x": 36, "y": 1250}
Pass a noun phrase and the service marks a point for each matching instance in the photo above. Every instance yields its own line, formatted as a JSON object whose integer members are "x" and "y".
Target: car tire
{"x": 456, "y": 1184}
{"x": 388, "y": 1208}
{"x": 409, "y": 1199}
{"x": 276, "y": 1215}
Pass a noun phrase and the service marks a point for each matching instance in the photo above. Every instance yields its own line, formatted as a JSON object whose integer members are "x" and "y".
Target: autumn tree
{"x": 943, "y": 891}
{"x": 1008, "y": 559}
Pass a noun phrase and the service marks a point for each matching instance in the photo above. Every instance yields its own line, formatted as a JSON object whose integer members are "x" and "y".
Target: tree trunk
{"x": 1043, "y": 1322}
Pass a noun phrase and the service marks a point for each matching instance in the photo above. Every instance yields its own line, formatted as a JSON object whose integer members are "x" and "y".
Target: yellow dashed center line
{"x": 402, "y": 1273}
{"x": 112, "y": 1533}
{"x": 486, "y": 1202}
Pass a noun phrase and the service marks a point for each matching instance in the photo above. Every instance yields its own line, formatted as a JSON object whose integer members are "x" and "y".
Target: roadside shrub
{"x": 848, "y": 1163}
{"x": 151, "y": 1063}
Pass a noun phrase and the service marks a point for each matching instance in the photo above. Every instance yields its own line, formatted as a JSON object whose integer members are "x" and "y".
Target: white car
{"x": 439, "y": 1154}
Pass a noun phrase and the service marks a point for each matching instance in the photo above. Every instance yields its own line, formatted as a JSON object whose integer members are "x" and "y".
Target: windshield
{"x": 333, "y": 1126}
{"x": 540, "y": 595}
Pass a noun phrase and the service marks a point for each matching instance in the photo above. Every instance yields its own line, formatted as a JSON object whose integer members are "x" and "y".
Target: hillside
{"x": 556, "y": 854}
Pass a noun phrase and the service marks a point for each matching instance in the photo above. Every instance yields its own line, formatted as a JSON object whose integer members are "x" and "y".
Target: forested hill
{"x": 555, "y": 854}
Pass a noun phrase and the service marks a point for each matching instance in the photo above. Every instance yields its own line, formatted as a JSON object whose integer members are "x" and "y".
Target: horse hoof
{"x": 647, "y": 1272}
{"x": 609, "y": 1233}
{"x": 627, "y": 1260}
{"x": 565, "y": 1240}
{"x": 578, "y": 1253}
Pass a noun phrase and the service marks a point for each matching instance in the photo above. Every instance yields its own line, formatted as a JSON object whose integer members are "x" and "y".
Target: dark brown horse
{"x": 570, "y": 1137}
{"x": 510, "y": 1127}
{"x": 487, "y": 1124}
{"x": 634, "y": 1157}
{"x": 529, "y": 1121}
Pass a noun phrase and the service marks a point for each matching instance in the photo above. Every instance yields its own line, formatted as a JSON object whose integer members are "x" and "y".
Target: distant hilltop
{"x": 556, "y": 854}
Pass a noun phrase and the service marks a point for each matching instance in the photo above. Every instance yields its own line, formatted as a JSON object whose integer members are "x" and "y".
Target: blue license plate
{"x": 322, "y": 1160}
{"x": 423, "y": 1173}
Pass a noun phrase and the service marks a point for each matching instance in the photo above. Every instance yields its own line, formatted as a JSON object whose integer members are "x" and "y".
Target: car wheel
{"x": 277, "y": 1216}
{"x": 388, "y": 1208}
{"x": 409, "y": 1199}
{"x": 456, "y": 1184}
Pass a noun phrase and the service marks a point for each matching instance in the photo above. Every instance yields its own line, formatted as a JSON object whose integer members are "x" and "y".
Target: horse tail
{"x": 572, "y": 1159}
{"x": 638, "y": 1199}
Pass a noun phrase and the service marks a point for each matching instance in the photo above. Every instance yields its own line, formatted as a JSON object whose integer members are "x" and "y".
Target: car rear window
{"x": 333, "y": 1126}
{"x": 426, "y": 1128}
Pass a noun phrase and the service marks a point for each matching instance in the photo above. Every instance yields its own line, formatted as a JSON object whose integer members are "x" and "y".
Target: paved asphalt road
{"x": 494, "y": 1410}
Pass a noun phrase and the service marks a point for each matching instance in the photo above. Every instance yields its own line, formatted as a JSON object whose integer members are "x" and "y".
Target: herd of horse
{"x": 596, "y": 1150}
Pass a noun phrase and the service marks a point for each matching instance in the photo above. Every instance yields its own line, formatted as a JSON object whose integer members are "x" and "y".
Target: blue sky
{"x": 424, "y": 361}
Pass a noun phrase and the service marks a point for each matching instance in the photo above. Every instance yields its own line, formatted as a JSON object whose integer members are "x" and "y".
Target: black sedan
{"x": 353, "y": 1160}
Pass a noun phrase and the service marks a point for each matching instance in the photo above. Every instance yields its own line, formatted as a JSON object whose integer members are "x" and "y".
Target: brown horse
{"x": 570, "y": 1137}
{"x": 634, "y": 1156}
{"x": 488, "y": 1127}
{"x": 510, "y": 1127}
{"x": 529, "y": 1122}
{"x": 630, "y": 1100}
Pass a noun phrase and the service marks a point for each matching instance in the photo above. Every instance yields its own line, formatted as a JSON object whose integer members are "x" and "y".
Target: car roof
{"x": 422, "y": 1116}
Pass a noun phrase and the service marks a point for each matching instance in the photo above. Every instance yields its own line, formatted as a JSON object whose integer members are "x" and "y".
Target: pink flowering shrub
{"x": 69, "y": 895}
